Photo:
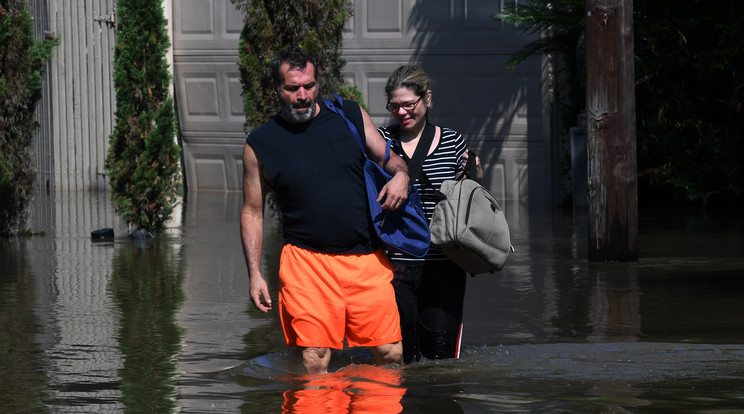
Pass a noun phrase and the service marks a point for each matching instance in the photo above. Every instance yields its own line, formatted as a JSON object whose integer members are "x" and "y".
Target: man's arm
{"x": 251, "y": 227}
{"x": 395, "y": 192}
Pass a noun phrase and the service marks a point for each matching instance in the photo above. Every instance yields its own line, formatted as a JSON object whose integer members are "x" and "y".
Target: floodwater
{"x": 165, "y": 324}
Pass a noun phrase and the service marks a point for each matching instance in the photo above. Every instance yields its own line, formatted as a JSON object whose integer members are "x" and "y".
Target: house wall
{"x": 503, "y": 114}
{"x": 77, "y": 113}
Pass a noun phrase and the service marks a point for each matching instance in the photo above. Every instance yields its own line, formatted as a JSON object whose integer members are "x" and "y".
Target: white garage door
{"x": 503, "y": 114}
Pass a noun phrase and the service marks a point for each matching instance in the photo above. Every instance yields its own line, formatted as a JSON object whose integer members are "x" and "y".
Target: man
{"x": 334, "y": 283}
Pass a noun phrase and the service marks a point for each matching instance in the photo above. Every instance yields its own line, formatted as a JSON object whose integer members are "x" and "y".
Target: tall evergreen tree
{"x": 22, "y": 59}
{"x": 269, "y": 26}
{"x": 143, "y": 158}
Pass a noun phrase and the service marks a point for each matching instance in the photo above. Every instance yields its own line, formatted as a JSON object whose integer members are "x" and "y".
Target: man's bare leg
{"x": 316, "y": 360}
{"x": 388, "y": 354}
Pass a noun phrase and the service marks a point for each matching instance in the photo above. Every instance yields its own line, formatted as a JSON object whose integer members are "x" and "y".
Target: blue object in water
{"x": 141, "y": 234}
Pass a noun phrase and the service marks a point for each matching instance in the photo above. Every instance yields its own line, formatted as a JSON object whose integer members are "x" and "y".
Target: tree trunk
{"x": 611, "y": 146}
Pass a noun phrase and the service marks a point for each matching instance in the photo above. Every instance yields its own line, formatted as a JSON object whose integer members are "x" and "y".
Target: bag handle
{"x": 469, "y": 171}
{"x": 471, "y": 168}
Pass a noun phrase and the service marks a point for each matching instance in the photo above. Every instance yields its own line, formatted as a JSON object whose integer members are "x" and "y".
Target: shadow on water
{"x": 165, "y": 325}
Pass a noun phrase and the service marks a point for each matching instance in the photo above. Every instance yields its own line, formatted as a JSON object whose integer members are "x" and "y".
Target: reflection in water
{"x": 166, "y": 324}
{"x": 100, "y": 313}
{"x": 22, "y": 381}
{"x": 221, "y": 329}
{"x": 354, "y": 389}
{"x": 146, "y": 286}
{"x": 615, "y": 305}
{"x": 78, "y": 323}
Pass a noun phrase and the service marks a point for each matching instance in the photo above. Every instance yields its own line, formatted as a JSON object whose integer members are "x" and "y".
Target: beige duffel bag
{"x": 470, "y": 228}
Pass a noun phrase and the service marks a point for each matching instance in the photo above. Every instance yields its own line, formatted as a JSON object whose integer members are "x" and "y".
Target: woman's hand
{"x": 474, "y": 172}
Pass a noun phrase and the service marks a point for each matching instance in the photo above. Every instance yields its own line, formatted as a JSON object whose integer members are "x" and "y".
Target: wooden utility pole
{"x": 611, "y": 138}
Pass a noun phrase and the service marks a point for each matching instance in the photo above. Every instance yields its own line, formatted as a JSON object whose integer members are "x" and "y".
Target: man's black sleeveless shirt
{"x": 315, "y": 169}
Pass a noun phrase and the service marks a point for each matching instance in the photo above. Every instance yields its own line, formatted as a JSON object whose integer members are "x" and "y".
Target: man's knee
{"x": 395, "y": 355}
{"x": 389, "y": 354}
{"x": 316, "y": 360}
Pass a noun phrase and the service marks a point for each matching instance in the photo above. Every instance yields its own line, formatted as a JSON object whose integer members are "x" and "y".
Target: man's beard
{"x": 290, "y": 113}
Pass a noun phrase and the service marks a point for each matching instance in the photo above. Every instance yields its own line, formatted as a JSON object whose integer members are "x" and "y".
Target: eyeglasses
{"x": 392, "y": 107}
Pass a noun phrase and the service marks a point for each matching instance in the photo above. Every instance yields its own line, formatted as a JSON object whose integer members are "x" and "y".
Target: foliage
{"x": 689, "y": 91}
{"x": 560, "y": 26}
{"x": 143, "y": 158}
{"x": 269, "y": 26}
{"x": 690, "y": 100}
{"x": 22, "y": 60}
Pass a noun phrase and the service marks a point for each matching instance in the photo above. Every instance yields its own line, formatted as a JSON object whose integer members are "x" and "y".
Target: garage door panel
{"x": 214, "y": 166}
{"x": 206, "y": 25}
{"x": 495, "y": 180}
{"x": 201, "y": 92}
{"x": 210, "y": 96}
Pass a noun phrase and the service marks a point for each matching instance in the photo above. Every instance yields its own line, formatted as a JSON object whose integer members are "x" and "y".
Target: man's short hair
{"x": 297, "y": 58}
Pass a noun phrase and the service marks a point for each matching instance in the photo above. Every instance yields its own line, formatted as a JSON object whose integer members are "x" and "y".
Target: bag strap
{"x": 469, "y": 171}
{"x": 416, "y": 163}
{"x": 422, "y": 150}
{"x": 332, "y": 105}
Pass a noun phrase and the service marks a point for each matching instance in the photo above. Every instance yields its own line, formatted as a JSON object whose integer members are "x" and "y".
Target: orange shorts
{"x": 324, "y": 298}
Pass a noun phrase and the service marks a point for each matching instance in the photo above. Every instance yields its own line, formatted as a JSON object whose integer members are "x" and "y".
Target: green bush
{"x": 143, "y": 161}
{"x": 22, "y": 59}
{"x": 269, "y": 26}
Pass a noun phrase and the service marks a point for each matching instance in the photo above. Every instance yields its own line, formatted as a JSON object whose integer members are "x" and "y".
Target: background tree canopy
{"x": 690, "y": 101}
{"x": 269, "y": 26}
{"x": 689, "y": 92}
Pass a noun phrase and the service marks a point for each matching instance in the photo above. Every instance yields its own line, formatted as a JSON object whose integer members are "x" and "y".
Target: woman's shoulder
{"x": 389, "y": 132}
{"x": 449, "y": 134}
{"x": 448, "y": 131}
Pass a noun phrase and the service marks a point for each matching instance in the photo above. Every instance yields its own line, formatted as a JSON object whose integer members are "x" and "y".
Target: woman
{"x": 431, "y": 291}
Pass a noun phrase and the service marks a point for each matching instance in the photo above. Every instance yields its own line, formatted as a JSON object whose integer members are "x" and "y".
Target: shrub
{"x": 22, "y": 59}
{"x": 143, "y": 161}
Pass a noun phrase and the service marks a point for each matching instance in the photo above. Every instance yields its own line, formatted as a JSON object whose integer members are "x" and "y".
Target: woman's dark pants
{"x": 430, "y": 301}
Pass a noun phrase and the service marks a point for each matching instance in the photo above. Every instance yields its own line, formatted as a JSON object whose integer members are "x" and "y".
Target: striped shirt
{"x": 442, "y": 164}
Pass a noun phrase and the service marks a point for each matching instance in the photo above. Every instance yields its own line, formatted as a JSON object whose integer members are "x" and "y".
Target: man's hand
{"x": 395, "y": 192}
{"x": 259, "y": 291}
